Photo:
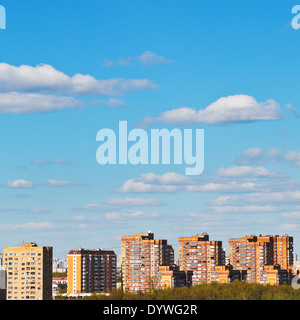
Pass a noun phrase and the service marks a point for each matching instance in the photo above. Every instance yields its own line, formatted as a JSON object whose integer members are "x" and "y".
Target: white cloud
{"x": 271, "y": 155}
{"x": 108, "y": 63}
{"x": 284, "y": 197}
{"x": 174, "y": 182}
{"x": 29, "y": 226}
{"x": 150, "y": 182}
{"x": 293, "y": 109}
{"x": 253, "y": 152}
{"x": 245, "y": 209}
{"x": 293, "y": 157}
{"x": 135, "y": 186}
{"x": 62, "y": 183}
{"x": 20, "y": 183}
{"x": 25, "y": 103}
{"x": 291, "y": 215}
{"x": 134, "y": 214}
{"x": 258, "y": 156}
{"x": 226, "y": 110}
{"x": 41, "y": 89}
{"x": 120, "y": 203}
{"x": 45, "y": 79}
{"x": 128, "y": 201}
{"x": 231, "y": 186}
{"x": 112, "y": 102}
{"x": 248, "y": 171}
{"x": 166, "y": 178}
{"x": 147, "y": 58}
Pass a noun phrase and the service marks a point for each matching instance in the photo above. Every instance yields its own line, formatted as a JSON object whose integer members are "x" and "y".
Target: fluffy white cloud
{"x": 23, "y": 103}
{"x": 165, "y": 179}
{"x": 44, "y": 78}
{"x": 226, "y": 110}
{"x": 135, "y": 186}
{"x": 151, "y": 182}
{"x": 283, "y": 197}
{"x": 174, "y": 182}
{"x": 248, "y": 171}
{"x": 41, "y": 89}
{"x": 20, "y": 183}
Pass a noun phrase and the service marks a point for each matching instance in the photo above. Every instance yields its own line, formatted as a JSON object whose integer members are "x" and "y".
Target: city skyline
{"x": 70, "y": 70}
{"x": 147, "y": 263}
{"x": 224, "y": 246}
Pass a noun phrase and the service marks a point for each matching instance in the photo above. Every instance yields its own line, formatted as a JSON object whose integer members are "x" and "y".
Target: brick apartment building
{"x": 141, "y": 258}
{"x": 267, "y": 259}
{"x": 201, "y": 256}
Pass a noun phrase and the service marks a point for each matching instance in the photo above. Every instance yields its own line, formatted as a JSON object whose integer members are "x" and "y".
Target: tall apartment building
{"x": 141, "y": 256}
{"x": 170, "y": 255}
{"x": 283, "y": 251}
{"x": 91, "y": 271}
{"x": 29, "y": 272}
{"x": 253, "y": 253}
{"x": 200, "y": 255}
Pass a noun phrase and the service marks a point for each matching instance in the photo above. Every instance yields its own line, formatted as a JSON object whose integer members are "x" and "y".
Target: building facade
{"x": 141, "y": 257}
{"x": 28, "y": 272}
{"x": 255, "y": 253}
{"x": 171, "y": 276}
{"x": 201, "y": 256}
{"x": 91, "y": 271}
{"x": 226, "y": 274}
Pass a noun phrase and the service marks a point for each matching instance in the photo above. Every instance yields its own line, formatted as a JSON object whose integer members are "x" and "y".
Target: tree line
{"x": 236, "y": 290}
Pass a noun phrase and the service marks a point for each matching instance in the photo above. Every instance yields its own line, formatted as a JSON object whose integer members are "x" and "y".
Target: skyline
{"x": 70, "y": 70}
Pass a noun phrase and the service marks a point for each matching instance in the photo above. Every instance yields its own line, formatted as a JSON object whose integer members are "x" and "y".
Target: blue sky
{"x": 71, "y": 68}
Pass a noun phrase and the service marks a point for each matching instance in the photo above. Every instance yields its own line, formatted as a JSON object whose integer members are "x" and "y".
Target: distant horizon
{"x": 175, "y": 251}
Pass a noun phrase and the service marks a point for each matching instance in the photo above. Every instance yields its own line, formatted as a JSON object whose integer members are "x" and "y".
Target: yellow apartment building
{"x": 29, "y": 272}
